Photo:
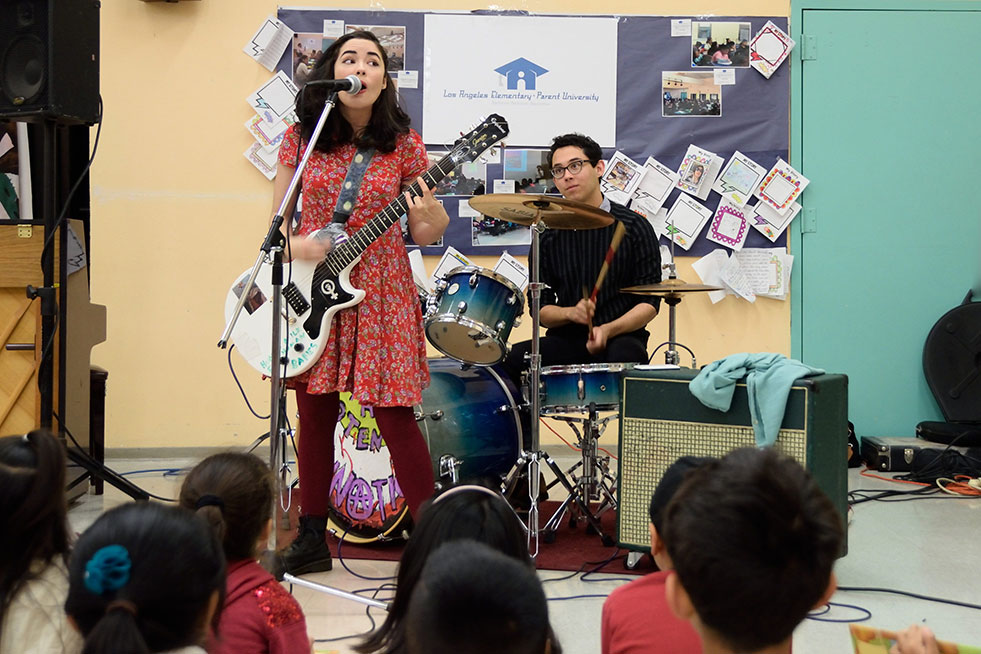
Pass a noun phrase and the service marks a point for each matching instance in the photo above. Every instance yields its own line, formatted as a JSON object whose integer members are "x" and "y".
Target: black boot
{"x": 309, "y": 552}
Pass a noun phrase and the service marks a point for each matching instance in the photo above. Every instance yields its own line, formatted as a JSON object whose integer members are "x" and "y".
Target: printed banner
{"x": 477, "y": 65}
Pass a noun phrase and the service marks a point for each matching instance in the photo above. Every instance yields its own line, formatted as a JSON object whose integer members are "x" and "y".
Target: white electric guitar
{"x": 320, "y": 289}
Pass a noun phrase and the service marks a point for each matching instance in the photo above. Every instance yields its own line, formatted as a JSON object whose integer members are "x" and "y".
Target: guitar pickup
{"x": 295, "y": 299}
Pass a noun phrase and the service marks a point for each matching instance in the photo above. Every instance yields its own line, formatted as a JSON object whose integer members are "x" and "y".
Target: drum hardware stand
{"x": 272, "y": 250}
{"x": 594, "y": 484}
{"x": 334, "y": 591}
{"x": 530, "y": 461}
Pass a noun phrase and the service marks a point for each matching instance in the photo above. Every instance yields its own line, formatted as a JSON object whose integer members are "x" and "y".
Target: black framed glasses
{"x": 573, "y": 167}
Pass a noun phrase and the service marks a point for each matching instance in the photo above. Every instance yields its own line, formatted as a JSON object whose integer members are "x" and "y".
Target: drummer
{"x": 571, "y": 261}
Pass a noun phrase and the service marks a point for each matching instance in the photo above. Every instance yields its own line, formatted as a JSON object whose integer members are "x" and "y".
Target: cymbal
{"x": 670, "y": 286}
{"x": 556, "y": 212}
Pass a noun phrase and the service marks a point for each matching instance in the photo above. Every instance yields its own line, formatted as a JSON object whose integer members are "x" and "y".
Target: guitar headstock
{"x": 475, "y": 142}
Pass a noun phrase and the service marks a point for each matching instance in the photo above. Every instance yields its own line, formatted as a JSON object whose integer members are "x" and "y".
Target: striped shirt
{"x": 571, "y": 259}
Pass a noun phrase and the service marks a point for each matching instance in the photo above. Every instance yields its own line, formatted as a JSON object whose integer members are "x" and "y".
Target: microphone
{"x": 351, "y": 84}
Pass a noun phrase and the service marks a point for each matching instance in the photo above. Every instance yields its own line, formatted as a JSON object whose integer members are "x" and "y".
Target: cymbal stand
{"x": 529, "y": 461}
{"x": 672, "y": 299}
{"x": 595, "y": 483}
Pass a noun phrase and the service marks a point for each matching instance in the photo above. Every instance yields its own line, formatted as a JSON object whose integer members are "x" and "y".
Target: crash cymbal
{"x": 670, "y": 286}
{"x": 556, "y": 212}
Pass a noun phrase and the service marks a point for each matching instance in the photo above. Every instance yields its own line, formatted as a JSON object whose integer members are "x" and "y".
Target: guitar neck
{"x": 348, "y": 251}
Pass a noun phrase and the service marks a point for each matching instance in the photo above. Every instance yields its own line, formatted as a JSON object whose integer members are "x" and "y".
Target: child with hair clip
{"x": 34, "y": 546}
{"x": 145, "y": 578}
{"x": 234, "y": 493}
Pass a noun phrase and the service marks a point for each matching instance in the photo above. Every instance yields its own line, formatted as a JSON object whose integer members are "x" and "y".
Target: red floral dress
{"x": 376, "y": 349}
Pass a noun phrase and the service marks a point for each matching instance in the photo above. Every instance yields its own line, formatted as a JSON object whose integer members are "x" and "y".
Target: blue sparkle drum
{"x": 469, "y": 417}
{"x": 471, "y": 315}
{"x": 572, "y": 389}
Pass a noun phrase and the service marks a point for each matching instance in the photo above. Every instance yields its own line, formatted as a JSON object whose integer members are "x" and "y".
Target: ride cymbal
{"x": 555, "y": 212}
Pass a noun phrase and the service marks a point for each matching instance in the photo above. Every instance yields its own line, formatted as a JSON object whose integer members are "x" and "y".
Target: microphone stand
{"x": 272, "y": 250}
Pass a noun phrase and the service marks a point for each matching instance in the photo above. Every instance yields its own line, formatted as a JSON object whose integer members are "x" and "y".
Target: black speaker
{"x": 49, "y": 60}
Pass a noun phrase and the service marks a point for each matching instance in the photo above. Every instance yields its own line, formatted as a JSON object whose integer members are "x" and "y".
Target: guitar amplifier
{"x": 660, "y": 421}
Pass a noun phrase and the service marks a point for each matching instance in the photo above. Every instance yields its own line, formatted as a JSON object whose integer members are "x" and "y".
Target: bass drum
{"x": 469, "y": 416}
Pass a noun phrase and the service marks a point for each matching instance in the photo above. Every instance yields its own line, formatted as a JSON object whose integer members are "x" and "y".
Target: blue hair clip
{"x": 107, "y": 570}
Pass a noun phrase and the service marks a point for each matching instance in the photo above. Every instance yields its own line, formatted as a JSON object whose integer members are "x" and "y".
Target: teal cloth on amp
{"x": 769, "y": 378}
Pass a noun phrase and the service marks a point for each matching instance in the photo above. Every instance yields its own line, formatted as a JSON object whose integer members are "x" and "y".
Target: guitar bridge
{"x": 295, "y": 299}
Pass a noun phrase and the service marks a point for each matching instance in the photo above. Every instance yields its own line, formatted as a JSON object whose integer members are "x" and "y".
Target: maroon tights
{"x": 315, "y": 461}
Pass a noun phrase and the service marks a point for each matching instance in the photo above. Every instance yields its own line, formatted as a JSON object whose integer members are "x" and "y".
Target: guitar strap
{"x": 351, "y": 185}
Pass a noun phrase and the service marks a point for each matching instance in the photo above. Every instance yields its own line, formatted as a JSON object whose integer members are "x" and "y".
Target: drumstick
{"x": 614, "y": 244}
{"x": 589, "y": 320}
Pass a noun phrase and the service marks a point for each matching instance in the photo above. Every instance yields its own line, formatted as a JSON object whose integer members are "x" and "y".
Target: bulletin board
{"x": 754, "y": 116}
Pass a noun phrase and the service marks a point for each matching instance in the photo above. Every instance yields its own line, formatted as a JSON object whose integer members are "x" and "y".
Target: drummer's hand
{"x": 426, "y": 216}
{"x": 597, "y": 340}
{"x": 916, "y": 639}
{"x": 582, "y": 312}
{"x": 308, "y": 249}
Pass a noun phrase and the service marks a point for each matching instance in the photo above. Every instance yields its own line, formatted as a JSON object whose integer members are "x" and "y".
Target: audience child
{"x": 753, "y": 541}
{"x": 471, "y": 599}
{"x": 467, "y": 511}
{"x": 234, "y": 493}
{"x": 145, "y": 578}
{"x": 636, "y": 617}
{"x": 34, "y": 546}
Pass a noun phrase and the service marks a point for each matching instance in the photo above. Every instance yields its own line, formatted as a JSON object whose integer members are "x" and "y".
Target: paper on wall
{"x": 729, "y": 226}
{"x": 513, "y": 269}
{"x": 654, "y": 187}
{"x": 268, "y": 135}
{"x": 709, "y": 270}
{"x": 264, "y": 161}
{"x": 685, "y": 220}
{"x": 766, "y": 269}
{"x": 269, "y": 42}
{"x": 681, "y": 27}
{"x": 275, "y": 99}
{"x": 620, "y": 177}
{"x": 450, "y": 260}
{"x": 781, "y": 187}
{"x": 771, "y": 224}
{"x": 698, "y": 171}
{"x": 739, "y": 179}
{"x": 769, "y": 48}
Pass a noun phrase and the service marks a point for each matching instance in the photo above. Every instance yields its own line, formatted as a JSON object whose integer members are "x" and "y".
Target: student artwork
{"x": 268, "y": 135}
{"x": 698, "y": 171}
{"x": 262, "y": 159}
{"x": 781, "y": 187}
{"x": 274, "y": 99}
{"x": 685, "y": 220}
{"x": 748, "y": 273}
{"x": 769, "y": 48}
{"x": 621, "y": 177}
{"x": 654, "y": 187}
{"x": 269, "y": 42}
{"x": 729, "y": 226}
{"x": 771, "y": 224}
{"x": 739, "y": 179}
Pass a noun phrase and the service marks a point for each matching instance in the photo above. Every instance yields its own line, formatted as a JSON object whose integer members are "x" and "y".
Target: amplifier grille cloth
{"x": 648, "y": 447}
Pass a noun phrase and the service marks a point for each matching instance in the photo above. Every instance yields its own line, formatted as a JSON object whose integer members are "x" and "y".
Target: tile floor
{"x": 927, "y": 547}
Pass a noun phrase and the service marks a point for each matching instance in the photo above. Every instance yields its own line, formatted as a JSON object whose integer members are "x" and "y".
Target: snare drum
{"x": 471, "y": 315}
{"x": 468, "y": 416}
{"x": 571, "y": 389}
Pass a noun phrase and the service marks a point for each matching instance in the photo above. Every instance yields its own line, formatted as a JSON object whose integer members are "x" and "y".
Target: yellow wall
{"x": 178, "y": 213}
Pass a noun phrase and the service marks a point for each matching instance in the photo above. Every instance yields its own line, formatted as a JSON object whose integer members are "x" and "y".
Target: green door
{"x": 887, "y": 126}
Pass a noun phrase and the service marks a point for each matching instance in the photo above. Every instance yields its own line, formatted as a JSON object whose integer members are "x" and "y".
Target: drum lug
{"x": 513, "y": 299}
{"x": 436, "y": 415}
{"x": 441, "y": 285}
{"x": 517, "y": 322}
{"x": 461, "y": 307}
{"x": 473, "y": 280}
{"x": 581, "y": 389}
{"x": 449, "y": 466}
{"x": 500, "y": 326}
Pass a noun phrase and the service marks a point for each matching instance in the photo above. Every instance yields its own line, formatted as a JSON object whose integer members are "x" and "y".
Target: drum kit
{"x": 470, "y": 413}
